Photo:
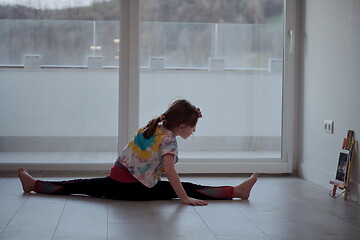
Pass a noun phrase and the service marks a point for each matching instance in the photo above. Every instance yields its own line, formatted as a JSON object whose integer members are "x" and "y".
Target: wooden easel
{"x": 349, "y": 143}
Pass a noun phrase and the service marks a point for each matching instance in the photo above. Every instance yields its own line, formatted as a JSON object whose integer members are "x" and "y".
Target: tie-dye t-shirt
{"x": 144, "y": 157}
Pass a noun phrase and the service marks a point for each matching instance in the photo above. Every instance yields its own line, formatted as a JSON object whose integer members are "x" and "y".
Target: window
{"x": 59, "y": 80}
{"x": 226, "y": 57}
{"x": 60, "y": 89}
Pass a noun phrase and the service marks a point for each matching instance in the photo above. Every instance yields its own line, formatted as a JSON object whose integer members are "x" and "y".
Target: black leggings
{"x": 111, "y": 189}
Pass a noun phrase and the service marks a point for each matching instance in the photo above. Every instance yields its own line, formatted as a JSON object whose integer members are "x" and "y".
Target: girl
{"x": 136, "y": 173}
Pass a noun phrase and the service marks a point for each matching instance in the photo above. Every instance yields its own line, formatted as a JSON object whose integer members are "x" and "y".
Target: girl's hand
{"x": 194, "y": 202}
{"x": 172, "y": 175}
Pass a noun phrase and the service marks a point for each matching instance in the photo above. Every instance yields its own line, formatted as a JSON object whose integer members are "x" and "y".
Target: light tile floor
{"x": 280, "y": 207}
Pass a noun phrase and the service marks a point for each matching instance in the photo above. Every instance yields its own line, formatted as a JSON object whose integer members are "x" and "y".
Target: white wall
{"x": 58, "y": 102}
{"x": 248, "y": 102}
{"x": 331, "y": 87}
{"x": 85, "y": 102}
{"x": 77, "y": 109}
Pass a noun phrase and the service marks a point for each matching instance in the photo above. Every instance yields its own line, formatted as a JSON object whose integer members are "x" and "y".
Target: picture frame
{"x": 342, "y": 167}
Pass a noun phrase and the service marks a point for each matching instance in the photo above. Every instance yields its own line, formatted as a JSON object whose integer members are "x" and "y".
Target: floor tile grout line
{"x": 16, "y": 212}
{"x": 243, "y": 214}
{"x": 107, "y": 219}
{"x": 62, "y": 212}
{"x": 207, "y": 226}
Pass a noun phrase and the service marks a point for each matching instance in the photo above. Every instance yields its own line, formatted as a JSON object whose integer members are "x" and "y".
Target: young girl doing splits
{"x": 136, "y": 173}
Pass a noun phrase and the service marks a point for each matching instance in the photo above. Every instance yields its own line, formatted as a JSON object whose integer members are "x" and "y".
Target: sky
{"x": 50, "y": 4}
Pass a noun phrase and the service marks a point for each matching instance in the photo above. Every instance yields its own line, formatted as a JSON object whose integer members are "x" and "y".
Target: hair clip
{"x": 162, "y": 117}
{"x": 198, "y": 112}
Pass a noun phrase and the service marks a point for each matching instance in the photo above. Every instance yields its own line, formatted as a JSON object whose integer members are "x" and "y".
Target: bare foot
{"x": 27, "y": 181}
{"x": 243, "y": 190}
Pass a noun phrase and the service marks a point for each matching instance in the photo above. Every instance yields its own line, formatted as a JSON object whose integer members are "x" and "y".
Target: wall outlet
{"x": 329, "y": 126}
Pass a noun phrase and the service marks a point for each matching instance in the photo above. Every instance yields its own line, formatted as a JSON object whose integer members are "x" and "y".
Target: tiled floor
{"x": 279, "y": 208}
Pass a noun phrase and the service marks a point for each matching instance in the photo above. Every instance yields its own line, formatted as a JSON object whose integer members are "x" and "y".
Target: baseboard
{"x": 322, "y": 178}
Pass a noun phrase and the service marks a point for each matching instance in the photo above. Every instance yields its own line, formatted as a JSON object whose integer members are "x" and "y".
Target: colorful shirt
{"x": 144, "y": 157}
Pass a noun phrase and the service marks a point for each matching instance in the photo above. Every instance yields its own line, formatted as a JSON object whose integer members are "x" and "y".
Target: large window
{"x": 59, "y": 81}
{"x": 225, "y": 57}
{"x": 68, "y": 95}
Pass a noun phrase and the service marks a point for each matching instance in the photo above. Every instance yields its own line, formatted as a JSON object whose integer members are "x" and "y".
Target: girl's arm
{"x": 172, "y": 175}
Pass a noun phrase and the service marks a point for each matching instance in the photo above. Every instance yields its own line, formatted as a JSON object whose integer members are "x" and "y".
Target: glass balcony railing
{"x": 87, "y": 116}
{"x": 178, "y": 45}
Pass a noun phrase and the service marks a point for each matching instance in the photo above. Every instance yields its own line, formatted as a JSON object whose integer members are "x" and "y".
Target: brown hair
{"x": 180, "y": 112}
